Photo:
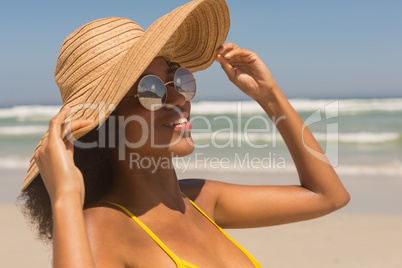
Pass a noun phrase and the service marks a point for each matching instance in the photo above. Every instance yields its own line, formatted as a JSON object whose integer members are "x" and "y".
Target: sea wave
{"x": 356, "y": 106}
{"x": 349, "y": 106}
{"x": 358, "y": 137}
{"x": 23, "y": 130}
{"x": 182, "y": 165}
{"x": 385, "y": 169}
{"x": 14, "y": 162}
{"x": 225, "y": 107}
{"x": 220, "y": 136}
{"x": 345, "y": 106}
{"x": 30, "y": 113}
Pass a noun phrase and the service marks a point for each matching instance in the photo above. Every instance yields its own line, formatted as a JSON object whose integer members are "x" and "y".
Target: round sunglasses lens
{"x": 185, "y": 83}
{"x": 151, "y": 92}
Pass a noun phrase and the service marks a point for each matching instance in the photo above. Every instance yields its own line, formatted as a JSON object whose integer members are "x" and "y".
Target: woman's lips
{"x": 180, "y": 127}
{"x": 180, "y": 123}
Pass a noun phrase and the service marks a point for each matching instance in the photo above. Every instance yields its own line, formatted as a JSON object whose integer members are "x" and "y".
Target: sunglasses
{"x": 152, "y": 92}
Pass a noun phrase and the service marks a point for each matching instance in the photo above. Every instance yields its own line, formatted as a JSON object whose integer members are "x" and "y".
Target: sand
{"x": 337, "y": 240}
{"x": 18, "y": 247}
{"x": 367, "y": 233}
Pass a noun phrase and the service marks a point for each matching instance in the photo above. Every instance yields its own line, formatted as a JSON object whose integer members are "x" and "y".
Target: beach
{"x": 366, "y": 233}
{"x": 236, "y": 143}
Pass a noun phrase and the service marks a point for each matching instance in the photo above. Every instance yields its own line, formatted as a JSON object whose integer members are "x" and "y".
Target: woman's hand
{"x": 55, "y": 159}
{"x": 246, "y": 70}
{"x": 320, "y": 191}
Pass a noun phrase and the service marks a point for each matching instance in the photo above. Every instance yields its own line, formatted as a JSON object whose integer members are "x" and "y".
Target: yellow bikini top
{"x": 179, "y": 262}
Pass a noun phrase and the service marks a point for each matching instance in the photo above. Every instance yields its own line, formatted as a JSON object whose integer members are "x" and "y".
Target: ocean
{"x": 359, "y": 136}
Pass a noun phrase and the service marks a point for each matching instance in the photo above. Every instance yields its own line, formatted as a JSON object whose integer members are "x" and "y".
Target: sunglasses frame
{"x": 165, "y": 84}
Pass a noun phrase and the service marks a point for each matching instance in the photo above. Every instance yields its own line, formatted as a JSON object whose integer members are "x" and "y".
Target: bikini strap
{"x": 254, "y": 261}
{"x": 150, "y": 233}
{"x": 176, "y": 260}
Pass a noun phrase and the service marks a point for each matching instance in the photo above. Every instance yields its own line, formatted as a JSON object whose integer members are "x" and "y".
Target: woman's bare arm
{"x": 320, "y": 191}
{"x": 70, "y": 240}
{"x": 65, "y": 186}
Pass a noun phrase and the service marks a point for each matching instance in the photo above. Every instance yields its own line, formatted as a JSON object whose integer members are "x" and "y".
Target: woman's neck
{"x": 146, "y": 182}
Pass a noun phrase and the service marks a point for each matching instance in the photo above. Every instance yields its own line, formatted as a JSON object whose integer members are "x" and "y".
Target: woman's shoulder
{"x": 104, "y": 227}
{"x": 101, "y": 218}
{"x": 100, "y": 211}
{"x": 196, "y": 188}
{"x": 204, "y": 193}
{"x": 112, "y": 234}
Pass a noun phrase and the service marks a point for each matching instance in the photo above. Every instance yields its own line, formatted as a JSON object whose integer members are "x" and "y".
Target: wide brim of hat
{"x": 189, "y": 35}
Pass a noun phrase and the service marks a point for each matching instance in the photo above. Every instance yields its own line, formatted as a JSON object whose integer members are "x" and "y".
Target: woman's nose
{"x": 174, "y": 98}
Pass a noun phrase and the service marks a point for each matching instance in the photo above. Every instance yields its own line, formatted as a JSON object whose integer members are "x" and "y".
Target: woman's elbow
{"x": 340, "y": 200}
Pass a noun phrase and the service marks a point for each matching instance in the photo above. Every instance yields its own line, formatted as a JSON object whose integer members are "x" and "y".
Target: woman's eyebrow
{"x": 143, "y": 75}
{"x": 168, "y": 72}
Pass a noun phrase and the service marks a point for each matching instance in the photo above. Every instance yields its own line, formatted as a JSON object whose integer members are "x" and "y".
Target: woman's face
{"x": 148, "y": 133}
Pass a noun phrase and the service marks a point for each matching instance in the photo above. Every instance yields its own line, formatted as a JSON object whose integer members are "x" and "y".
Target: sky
{"x": 314, "y": 49}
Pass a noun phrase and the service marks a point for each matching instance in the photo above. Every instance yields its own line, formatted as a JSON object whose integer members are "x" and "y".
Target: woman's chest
{"x": 198, "y": 242}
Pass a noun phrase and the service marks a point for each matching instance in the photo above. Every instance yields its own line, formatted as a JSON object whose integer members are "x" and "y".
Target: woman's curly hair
{"x": 96, "y": 169}
{"x": 94, "y": 164}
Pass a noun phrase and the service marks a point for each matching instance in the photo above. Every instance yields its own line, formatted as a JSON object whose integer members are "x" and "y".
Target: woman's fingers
{"x": 55, "y": 157}
{"x": 71, "y": 126}
{"x": 245, "y": 69}
{"x": 235, "y": 60}
{"x": 59, "y": 129}
{"x": 237, "y": 55}
{"x": 228, "y": 68}
{"x": 241, "y": 60}
{"x": 78, "y": 124}
{"x": 225, "y": 48}
{"x": 240, "y": 54}
{"x": 56, "y": 122}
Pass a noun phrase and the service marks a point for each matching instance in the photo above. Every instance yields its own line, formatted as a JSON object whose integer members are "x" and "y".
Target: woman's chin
{"x": 182, "y": 148}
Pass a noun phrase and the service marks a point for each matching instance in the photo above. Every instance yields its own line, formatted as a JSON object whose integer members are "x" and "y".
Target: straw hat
{"x": 99, "y": 62}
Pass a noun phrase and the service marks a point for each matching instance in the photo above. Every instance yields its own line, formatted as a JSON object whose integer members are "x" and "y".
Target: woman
{"x": 145, "y": 217}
